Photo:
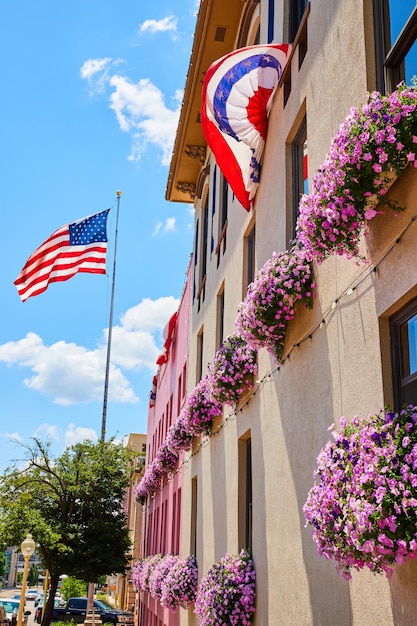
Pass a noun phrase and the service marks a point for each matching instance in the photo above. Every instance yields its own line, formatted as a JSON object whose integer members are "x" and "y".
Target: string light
{"x": 268, "y": 377}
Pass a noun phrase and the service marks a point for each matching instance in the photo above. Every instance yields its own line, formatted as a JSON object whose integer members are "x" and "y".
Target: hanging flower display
{"x": 167, "y": 578}
{"x": 363, "y": 504}
{"x": 179, "y": 586}
{"x": 231, "y": 371}
{"x": 201, "y": 409}
{"x": 142, "y": 570}
{"x": 270, "y": 302}
{"x": 226, "y": 594}
{"x": 159, "y": 572}
{"x": 151, "y": 481}
{"x": 165, "y": 458}
{"x": 178, "y": 438}
{"x": 372, "y": 144}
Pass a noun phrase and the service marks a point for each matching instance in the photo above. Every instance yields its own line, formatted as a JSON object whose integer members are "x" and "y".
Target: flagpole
{"x": 106, "y": 378}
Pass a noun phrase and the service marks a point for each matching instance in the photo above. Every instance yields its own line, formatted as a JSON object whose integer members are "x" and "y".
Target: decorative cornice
{"x": 186, "y": 188}
{"x": 196, "y": 152}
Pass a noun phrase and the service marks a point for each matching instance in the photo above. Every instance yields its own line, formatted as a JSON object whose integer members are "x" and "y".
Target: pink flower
{"x": 369, "y": 214}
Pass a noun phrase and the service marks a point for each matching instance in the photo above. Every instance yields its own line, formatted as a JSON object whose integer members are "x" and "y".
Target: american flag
{"x": 77, "y": 247}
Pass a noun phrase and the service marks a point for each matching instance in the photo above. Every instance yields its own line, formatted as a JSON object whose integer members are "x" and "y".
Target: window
{"x": 297, "y": 8}
{"x": 299, "y": 170}
{"x": 179, "y": 394}
{"x": 223, "y": 203}
{"x": 271, "y": 19}
{"x": 204, "y": 239}
{"x": 200, "y": 346}
{"x": 249, "y": 258}
{"x": 193, "y": 530}
{"x": 404, "y": 355}
{"x": 395, "y": 42}
{"x": 184, "y": 380}
{"x": 245, "y": 491}
{"x": 220, "y": 317}
{"x": 200, "y": 266}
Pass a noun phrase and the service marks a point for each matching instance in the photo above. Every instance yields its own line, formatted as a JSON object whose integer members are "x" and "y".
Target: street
{"x": 29, "y": 605}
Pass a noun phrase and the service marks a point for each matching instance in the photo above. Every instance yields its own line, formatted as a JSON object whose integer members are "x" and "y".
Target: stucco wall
{"x": 342, "y": 370}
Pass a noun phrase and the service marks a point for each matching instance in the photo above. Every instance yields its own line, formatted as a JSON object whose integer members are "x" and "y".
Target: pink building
{"x": 162, "y": 513}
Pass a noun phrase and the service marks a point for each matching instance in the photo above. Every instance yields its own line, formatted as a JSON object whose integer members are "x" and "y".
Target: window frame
{"x": 399, "y": 381}
{"x": 220, "y": 316}
{"x": 390, "y": 55}
{"x": 298, "y": 179}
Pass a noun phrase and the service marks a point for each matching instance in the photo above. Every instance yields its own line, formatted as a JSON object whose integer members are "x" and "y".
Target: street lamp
{"x": 28, "y": 548}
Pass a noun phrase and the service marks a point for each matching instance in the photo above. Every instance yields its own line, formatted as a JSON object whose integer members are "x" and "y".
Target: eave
{"x": 215, "y": 35}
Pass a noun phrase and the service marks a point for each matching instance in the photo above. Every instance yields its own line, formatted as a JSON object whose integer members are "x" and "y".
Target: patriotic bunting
{"x": 236, "y": 100}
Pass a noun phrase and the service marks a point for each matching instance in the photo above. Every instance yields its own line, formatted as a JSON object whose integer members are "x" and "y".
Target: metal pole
{"x": 106, "y": 379}
{"x": 23, "y": 593}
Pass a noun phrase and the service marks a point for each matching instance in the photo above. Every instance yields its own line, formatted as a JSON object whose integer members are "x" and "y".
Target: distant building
{"x": 15, "y": 565}
{"x": 123, "y": 590}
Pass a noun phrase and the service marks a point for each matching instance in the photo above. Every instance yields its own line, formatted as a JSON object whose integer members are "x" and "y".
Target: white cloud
{"x": 50, "y": 431}
{"x": 139, "y": 107}
{"x": 157, "y": 228}
{"x": 150, "y": 315}
{"x": 97, "y": 73}
{"x": 169, "y": 23}
{"x": 170, "y": 224}
{"x": 76, "y": 434}
{"x": 12, "y": 436}
{"x": 72, "y": 374}
{"x": 93, "y": 66}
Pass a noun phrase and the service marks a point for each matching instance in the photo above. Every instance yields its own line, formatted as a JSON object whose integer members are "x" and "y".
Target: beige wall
{"x": 343, "y": 370}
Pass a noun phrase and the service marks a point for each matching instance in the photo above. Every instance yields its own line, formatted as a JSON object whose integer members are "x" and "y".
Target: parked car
{"x": 11, "y": 608}
{"x": 40, "y": 596}
{"x": 31, "y": 594}
{"x": 76, "y": 610}
{"x": 38, "y": 612}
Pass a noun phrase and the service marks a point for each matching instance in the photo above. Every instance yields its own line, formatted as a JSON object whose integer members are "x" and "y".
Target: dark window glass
{"x": 249, "y": 494}
{"x": 204, "y": 237}
{"x": 297, "y": 8}
{"x": 220, "y": 317}
{"x": 225, "y": 192}
{"x": 300, "y": 169}
{"x": 250, "y": 256}
{"x": 404, "y": 355}
{"x": 200, "y": 346}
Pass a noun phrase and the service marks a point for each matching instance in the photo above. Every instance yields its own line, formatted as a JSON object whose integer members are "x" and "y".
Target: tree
{"x": 72, "y": 505}
{"x": 33, "y": 575}
{"x": 73, "y": 587}
{"x": 2, "y": 564}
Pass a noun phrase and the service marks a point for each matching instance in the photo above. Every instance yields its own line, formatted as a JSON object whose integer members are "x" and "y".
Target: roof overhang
{"x": 216, "y": 31}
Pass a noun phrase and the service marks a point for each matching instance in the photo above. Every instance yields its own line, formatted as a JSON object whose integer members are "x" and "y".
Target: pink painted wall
{"x": 161, "y": 531}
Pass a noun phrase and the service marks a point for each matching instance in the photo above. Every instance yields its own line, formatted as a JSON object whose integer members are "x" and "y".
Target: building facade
{"x": 351, "y": 353}
{"x": 162, "y": 513}
{"x": 123, "y": 593}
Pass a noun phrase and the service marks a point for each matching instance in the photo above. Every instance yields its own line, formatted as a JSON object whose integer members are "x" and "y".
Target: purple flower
{"x": 376, "y": 139}
{"x": 359, "y": 507}
{"x": 231, "y": 372}
{"x": 226, "y": 594}
{"x": 284, "y": 281}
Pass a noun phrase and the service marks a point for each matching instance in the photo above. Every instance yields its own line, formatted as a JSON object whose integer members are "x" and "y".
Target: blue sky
{"x": 91, "y": 99}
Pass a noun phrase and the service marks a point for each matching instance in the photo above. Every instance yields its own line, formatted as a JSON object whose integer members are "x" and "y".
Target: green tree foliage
{"x": 73, "y": 588}
{"x": 33, "y": 575}
{"x": 2, "y": 563}
{"x": 72, "y": 505}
